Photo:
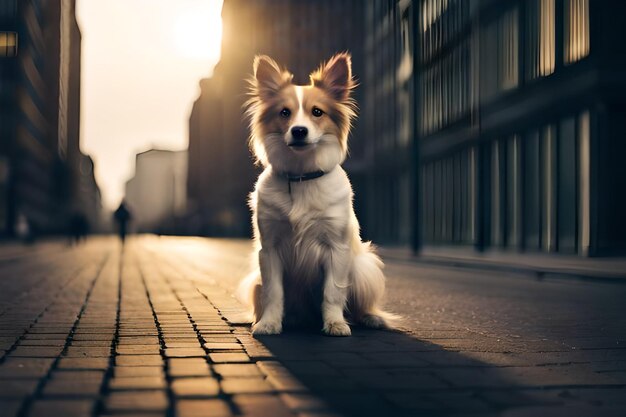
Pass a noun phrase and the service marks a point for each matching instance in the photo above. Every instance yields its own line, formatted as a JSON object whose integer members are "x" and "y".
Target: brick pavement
{"x": 154, "y": 331}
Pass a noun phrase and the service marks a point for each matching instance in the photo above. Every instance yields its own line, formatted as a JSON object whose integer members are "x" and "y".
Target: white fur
{"x": 307, "y": 235}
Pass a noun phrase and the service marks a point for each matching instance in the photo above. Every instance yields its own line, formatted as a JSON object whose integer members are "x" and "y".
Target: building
{"x": 157, "y": 194}
{"x": 484, "y": 124}
{"x": 495, "y": 125}
{"x": 40, "y": 116}
{"x": 381, "y": 173}
{"x": 221, "y": 170}
{"x": 88, "y": 198}
{"x": 521, "y": 109}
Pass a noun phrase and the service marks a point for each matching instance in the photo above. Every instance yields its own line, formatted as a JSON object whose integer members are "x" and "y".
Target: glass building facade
{"x": 519, "y": 126}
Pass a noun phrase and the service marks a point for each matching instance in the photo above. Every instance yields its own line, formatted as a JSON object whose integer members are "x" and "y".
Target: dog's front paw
{"x": 267, "y": 327}
{"x": 337, "y": 328}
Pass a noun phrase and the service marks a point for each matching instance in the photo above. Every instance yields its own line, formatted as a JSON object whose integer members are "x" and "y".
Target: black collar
{"x": 303, "y": 177}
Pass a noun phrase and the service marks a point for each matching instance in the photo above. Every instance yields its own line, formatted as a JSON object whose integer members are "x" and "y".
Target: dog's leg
{"x": 335, "y": 292}
{"x": 272, "y": 297}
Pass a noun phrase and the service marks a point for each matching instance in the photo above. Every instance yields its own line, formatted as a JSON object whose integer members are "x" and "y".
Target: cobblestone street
{"x": 154, "y": 331}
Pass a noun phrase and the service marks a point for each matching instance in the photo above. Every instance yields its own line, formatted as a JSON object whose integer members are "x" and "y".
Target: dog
{"x": 311, "y": 260}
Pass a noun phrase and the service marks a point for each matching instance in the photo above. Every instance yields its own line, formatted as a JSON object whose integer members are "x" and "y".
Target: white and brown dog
{"x": 310, "y": 251}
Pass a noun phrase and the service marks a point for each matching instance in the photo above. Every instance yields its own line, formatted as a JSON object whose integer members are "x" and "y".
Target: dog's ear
{"x": 268, "y": 75}
{"x": 335, "y": 76}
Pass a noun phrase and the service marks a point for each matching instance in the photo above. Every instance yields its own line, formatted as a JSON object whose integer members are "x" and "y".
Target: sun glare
{"x": 198, "y": 35}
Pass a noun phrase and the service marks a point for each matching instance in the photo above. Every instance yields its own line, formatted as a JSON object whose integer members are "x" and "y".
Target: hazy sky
{"x": 141, "y": 64}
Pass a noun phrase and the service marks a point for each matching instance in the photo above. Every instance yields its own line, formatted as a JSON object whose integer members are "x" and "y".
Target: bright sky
{"x": 142, "y": 61}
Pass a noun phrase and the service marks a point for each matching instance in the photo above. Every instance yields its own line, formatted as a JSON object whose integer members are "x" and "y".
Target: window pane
{"x": 548, "y": 188}
{"x": 567, "y": 201}
{"x": 576, "y": 30}
{"x": 531, "y": 191}
{"x": 513, "y": 191}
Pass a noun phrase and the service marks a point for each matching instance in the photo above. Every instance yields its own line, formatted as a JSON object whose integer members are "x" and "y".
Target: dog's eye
{"x": 285, "y": 112}
{"x": 317, "y": 112}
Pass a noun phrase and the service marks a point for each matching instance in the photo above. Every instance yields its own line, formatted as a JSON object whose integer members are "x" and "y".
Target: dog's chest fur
{"x": 304, "y": 221}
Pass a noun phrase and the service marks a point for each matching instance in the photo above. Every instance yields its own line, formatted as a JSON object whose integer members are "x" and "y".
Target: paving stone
{"x": 137, "y": 371}
{"x": 50, "y": 330}
{"x": 380, "y": 379}
{"x": 83, "y": 363}
{"x": 191, "y": 338}
{"x": 137, "y": 382}
{"x": 138, "y": 349}
{"x": 304, "y": 402}
{"x": 184, "y": 344}
{"x": 179, "y": 367}
{"x": 92, "y": 343}
{"x": 245, "y": 386}
{"x": 17, "y": 388}
{"x": 569, "y": 411}
{"x": 134, "y": 414}
{"x": 222, "y": 339}
{"x": 137, "y": 340}
{"x": 92, "y": 337}
{"x": 10, "y": 408}
{"x": 72, "y": 387}
{"x": 261, "y": 405}
{"x": 43, "y": 342}
{"x": 64, "y": 407}
{"x": 195, "y": 387}
{"x": 237, "y": 370}
{"x": 137, "y": 401}
{"x": 138, "y": 360}
{"x": 25, "y": 367}
{"x": 36, "y": 352}
{"x": 138, "y": 333}
{"x": 311, "y": 368}
{"x": 217, "y": 346}
{"x": 184, "y": 352}
{"x": 229, "y": 357}
{"x": 284, "y": 383}
{"x": 203, "y": 408}
{"x": 320, "y": 414}
{"x": 89, "y": 376}
{"x": 87, "y": 352}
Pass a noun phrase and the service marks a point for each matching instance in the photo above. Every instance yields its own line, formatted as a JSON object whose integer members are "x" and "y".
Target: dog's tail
{"x": 368, "y": 287}
{"x": 248, "y": 294}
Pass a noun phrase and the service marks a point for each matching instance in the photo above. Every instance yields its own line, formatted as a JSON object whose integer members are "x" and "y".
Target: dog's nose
{"x": 299, "y": 132}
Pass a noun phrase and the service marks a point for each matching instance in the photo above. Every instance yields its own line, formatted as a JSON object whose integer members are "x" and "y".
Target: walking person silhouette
{"x": 122, "y": 216}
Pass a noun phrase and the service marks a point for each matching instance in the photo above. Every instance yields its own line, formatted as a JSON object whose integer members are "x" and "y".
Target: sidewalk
{"x": 154, "y": 331}
{"x": 537, "y": 264}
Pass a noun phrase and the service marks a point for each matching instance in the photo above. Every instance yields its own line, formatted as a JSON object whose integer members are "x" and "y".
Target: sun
{"x": 197, "y": 34}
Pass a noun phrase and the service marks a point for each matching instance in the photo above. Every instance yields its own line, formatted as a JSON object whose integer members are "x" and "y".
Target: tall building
{"x": 382, "y": 173}
{"x": 521, "y": 109}
{"x": 485, "y": 124}
{"x": 157, "y": 194}
{"x": 221, "y": 170}
{"x": 39, "y": 116}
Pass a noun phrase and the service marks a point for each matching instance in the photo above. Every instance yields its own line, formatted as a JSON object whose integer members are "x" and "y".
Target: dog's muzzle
{"x": 299, "y": 135}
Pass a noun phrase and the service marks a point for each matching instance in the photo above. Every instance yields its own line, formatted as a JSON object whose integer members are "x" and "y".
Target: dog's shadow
{"x": 385, "y": 373}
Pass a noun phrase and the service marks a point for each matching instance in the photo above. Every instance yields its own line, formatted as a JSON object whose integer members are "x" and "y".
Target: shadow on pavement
{"x": 380, "y": 373}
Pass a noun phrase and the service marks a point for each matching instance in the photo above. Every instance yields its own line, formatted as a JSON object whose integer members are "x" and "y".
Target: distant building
{"x": 221, "y": 171}
{"x": 157, "y": 195}
{"x": 88, "y": 197}
{"x": 40, "y": 116}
